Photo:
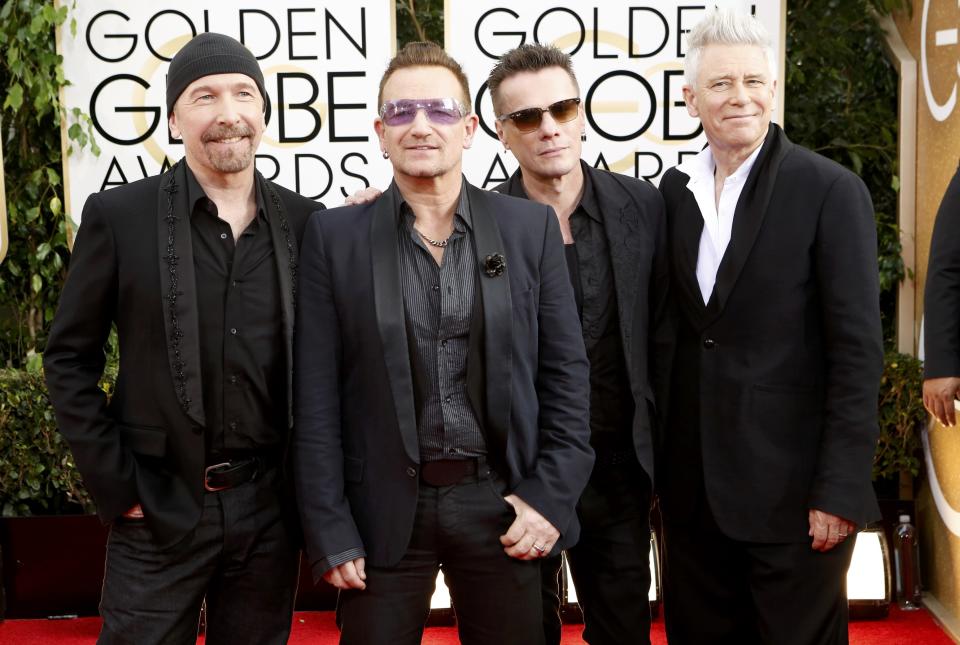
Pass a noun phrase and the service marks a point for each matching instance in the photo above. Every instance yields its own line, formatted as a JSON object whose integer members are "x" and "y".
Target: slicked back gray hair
{"x": 725, "y": 27}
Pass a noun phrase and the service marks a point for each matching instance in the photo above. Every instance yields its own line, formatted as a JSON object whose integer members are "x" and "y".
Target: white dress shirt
{"x": 717, "y": 220}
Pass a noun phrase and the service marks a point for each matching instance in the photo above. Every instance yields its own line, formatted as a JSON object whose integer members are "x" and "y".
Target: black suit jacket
{"x": 635, "y": 224}
{"x": 355, "y": 449}
{"x": 775, "y": 382}
{"x": 132, "y": 265}
{"x": 941, "y": 296}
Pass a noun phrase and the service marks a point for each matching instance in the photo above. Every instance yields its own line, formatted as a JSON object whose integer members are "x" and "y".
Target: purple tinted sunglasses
{"x": 439, "y": 111}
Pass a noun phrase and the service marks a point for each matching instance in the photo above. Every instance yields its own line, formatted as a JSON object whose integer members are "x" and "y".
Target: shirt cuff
{"x": 323, "y": 565}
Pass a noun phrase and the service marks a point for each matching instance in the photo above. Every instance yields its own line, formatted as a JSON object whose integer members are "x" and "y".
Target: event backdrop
{"x": 628, "y": 57}
{"x": 321, "y": 59}
{"x": 931, "y": 35}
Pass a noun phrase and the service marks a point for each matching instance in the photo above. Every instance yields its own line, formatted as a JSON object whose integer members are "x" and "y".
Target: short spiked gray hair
{"x": 725, "y": 27}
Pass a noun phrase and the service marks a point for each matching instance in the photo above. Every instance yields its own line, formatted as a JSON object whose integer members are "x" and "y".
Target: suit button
{"x": 709, "y": 343}
{"x": 411, "y": 471}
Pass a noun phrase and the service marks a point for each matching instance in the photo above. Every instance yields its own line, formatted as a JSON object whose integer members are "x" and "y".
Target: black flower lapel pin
{"x": 493, "y": 265}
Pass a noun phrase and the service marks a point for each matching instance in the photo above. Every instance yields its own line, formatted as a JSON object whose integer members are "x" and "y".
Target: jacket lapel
{"x": 178, "y": 294}
{"x": 688, "y": 225}
{"x": 285, "y": 256}
{"x": 625, "y": 253}
{"x": 497, "y": 350}
{"x": 388, "y": 299}
{"x": 748, "y": 217}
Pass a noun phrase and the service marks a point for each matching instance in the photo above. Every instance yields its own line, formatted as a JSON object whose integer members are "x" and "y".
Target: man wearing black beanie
{"x": 197, "y": 270}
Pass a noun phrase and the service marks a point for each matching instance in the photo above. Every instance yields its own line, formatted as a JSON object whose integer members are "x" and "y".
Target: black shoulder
{"x": 294, "y": 203}
{"x": 134, "y": 195}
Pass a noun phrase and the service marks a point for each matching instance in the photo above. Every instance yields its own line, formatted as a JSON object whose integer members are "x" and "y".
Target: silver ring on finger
{"x": 539, "y": 548}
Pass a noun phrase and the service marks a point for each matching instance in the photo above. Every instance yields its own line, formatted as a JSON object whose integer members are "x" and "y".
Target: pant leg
{"x": 799, "y": 594}
{"x": 152, "y": 596}
{"x": 706, "y": 587}
{"x": 496, "y": 597}
{"x": 394, "y": 607}
{"x": 250, "y": 598}
{"x": 550, "y": 569}
{"x": 611, "y": 562}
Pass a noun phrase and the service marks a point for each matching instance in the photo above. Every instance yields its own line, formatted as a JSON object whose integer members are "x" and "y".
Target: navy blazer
{"x": 355, "y": 448}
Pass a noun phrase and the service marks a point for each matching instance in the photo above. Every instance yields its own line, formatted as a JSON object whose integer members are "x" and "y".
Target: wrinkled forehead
{"x": 418, "y": 83}
{"x": 222, "y": 82}
{"x": 735, "y": 61}
{"x": 536, "y": 89}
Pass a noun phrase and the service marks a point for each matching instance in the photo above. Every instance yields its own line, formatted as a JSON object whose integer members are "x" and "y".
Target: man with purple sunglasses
{"x": 441, "y": 384}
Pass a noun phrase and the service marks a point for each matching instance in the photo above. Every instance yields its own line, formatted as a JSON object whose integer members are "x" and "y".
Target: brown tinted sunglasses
{"x": 529, "y": 119}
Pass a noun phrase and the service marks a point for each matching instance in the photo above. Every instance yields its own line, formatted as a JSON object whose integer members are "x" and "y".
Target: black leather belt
{"x": 447, "y": 472}
{"x": 228, "y": 474}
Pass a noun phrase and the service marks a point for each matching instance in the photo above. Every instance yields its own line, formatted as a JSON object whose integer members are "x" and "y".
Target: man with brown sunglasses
{"x": 441, "y": 384}
{"x": 614, "y": 235}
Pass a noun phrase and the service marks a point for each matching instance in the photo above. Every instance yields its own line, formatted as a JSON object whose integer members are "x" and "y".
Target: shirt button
{"x": 233, "y": 380}
{"x": 436, "y": 287}
{"x": 411, "y": 471}
{"x": 709, "y": 343}
{"x": 233, "y": 425}
{"x": 233, "y": 283}
{"x": 448, "y": 399}
{"x": 443, "y": 343}
{"x": 233, "y": 330}
{"x": 223, "y": 236}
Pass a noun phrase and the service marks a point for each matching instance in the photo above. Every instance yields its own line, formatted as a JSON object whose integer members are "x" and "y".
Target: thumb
{"x": 361, "y": 563}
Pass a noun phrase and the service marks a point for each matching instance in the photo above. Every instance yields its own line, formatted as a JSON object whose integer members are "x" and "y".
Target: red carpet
{"x": 317, "y": 628}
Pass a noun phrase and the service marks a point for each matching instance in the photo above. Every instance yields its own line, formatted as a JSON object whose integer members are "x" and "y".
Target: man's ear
{"x": 172, "y": 124}
{"x": 380, "y": 129}
{"x": 470, "y": 124}
{"x": 690, "y": 98}
{"x": 498, "y": 124}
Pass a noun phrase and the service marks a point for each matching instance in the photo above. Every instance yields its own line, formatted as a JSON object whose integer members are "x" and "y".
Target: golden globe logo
{"x": 944, "y": 37}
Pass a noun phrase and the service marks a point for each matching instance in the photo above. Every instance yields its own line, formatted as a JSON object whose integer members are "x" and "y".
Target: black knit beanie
{"x": 210, "y": 54}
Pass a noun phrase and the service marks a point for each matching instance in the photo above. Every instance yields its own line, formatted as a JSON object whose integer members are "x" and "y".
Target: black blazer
{"x": 355, "y": 449}
{"x": 132, "y": 265}
{"x": 941, "y": 296}
{"x": 636, "y": 228}
{"x": 776, "y": 379}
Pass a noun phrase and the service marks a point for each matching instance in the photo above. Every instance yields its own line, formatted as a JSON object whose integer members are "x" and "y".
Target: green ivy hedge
{"x": 37, "y": 473}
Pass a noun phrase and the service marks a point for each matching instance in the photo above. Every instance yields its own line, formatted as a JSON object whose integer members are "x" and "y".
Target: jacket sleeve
{"x": 565, "y": 458}
{"x": 848, "y": 286}
{"x": 328, "y": 525}
{"x": 942, "y": 293}
{"x": 74, "y": 360}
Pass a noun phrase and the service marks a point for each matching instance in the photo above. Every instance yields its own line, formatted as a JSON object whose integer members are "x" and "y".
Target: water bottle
{"x": 907, "y": 564}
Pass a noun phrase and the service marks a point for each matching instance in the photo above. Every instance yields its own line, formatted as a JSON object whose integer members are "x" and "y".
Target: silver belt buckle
{"x": 206, "y": 478}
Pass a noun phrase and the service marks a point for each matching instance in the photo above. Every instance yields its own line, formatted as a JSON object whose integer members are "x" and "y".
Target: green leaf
{"x": 14, "y": 97}
{"x": 36, "y": 283}
{"x": 43, "y": 251}
{"x": 56, "y": 207}
{"x": 53, "y": 176}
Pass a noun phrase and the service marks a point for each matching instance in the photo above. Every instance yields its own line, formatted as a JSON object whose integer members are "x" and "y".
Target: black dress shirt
{"x": 439, "y": 305}
{"x": 241, "y": 333}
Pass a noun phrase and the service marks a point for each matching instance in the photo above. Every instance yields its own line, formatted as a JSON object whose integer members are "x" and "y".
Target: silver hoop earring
{"x": 386, "y": 155}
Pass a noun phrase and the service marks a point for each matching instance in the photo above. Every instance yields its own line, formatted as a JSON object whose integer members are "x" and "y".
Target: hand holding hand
{"x": 530, "y": 536}
{"x": 828, "y": 530}
{"x": 349, "y": 575}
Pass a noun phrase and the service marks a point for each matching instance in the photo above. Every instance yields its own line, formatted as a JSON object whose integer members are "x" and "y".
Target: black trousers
{"x": 610, "y": 564}
{"x": 718, "y": 590}
{"x": 240, "y": 557}
{"x": 457, "y": 530}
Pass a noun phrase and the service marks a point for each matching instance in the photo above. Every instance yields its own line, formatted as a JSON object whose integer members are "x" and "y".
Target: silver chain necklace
{"x": 437, "y": 243}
